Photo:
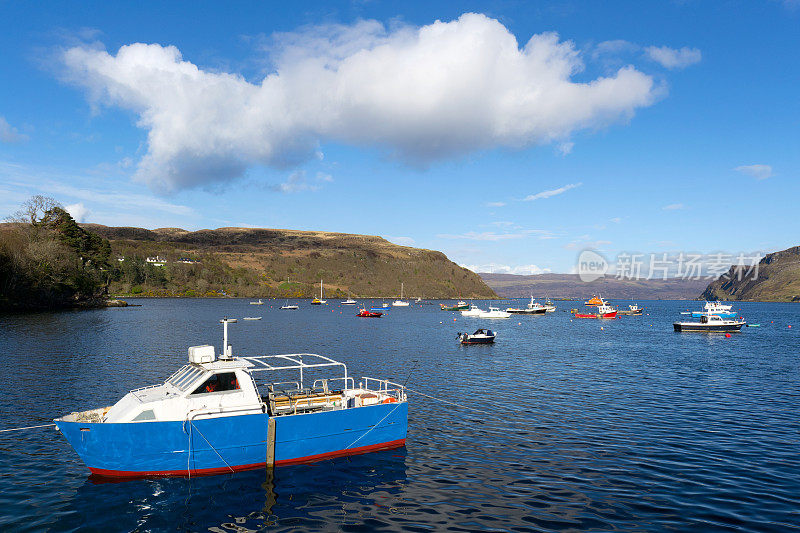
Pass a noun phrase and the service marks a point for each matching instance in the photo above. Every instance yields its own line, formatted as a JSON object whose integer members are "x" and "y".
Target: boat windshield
{"x": 185, "y": 377}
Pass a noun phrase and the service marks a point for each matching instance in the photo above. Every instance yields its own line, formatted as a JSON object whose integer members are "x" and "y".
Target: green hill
{"x": 278, "y": 263}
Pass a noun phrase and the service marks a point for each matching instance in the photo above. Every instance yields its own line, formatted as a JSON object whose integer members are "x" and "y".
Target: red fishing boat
{"x": 366, "y": 313}
{"x": 603, "y": 311}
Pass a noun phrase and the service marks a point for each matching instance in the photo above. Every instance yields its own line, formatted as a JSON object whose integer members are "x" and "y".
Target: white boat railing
{"x": 384, "y": 386}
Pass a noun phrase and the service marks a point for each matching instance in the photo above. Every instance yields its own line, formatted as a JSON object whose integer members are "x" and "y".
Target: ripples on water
{"x": 632, "y": 427}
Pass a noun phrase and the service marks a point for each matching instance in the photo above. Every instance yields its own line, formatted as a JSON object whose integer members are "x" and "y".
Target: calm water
{"x": 613, "y": 425}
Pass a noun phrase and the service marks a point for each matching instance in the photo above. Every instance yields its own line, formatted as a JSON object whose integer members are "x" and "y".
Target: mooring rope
{"x": 27, "y": 427}
{"x": 373, "y": 427}
{"x": 448, "y": 402}
{"x": 212, "y": 446}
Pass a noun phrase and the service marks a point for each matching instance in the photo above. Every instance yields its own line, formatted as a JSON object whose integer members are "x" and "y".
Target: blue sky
{"x": 624, "y": 127}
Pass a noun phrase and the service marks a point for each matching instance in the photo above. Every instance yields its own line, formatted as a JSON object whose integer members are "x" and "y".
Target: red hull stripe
{"x": 238, "y": 468}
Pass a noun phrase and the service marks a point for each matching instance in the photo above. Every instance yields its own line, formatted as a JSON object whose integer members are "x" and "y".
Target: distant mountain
{"x": 570, "y": 286}
{"x": 283, "y": 263}
{"x": 777, "y": 280}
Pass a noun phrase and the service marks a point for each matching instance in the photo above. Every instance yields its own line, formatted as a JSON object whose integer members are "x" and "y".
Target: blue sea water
{"x": 562, "y": 424}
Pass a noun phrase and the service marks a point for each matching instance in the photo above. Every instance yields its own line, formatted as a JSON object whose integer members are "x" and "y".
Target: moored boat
{"x": 473, "y": 311}
{"x": 319, "y": 301}
{"x": 364, "y": 313}
{"x": 460, "y": 306}
{"x": 715, "y": 308}
{"x": 383, "y": 307}
{"x": 481, "y": 336}
{"x": 494, "y": 312}
{"x": 349, "y": 301}
{"x": 259, "y": 302}
{"x": 603, "y": 311}
{"x": 400, "y": 302}
{"x": 633, "y": 309}
{"x": 533, "y": 308}
{"x": 549, "y": 306}
{"x": 220, "y": 414}
{"x": 289, "y": 306}
{"x": 595, "y": 300}
{"x": 710, "y": 323}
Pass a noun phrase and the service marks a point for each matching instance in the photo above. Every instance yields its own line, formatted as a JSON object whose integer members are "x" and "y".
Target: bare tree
{"x": 34, "y": 211}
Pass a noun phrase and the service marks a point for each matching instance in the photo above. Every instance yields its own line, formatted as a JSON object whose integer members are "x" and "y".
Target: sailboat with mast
{"x": 400, "y": 302}
{"x": 319, "y": 301}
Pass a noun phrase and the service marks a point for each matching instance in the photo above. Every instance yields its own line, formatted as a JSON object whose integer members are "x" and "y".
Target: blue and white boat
{"x": 223, "y": 413}
{"x": 715, "y": 308}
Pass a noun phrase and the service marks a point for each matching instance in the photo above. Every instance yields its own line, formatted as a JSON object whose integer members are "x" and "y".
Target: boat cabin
{"x": 209, "y": 387}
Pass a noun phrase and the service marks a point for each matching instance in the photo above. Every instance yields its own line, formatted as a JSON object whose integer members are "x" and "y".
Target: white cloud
{"x": 482, "y": 236}
{"x": 759, "y": 172}
{"x": 551, "y": 193}
{"x": 421, "y": 93}
{"x": 585, "y": 244}
{"x": 402, "y": 241}
{"x": 613, "y": 48}
{"x": 495, "y": 268}
{"x": 616, "y": 220}
{"x": 671, "y": 58}
{"x": 9, "y": 134}
{"x": 492, "y": 236}
{"x": 565, "y": 148}
{"x": 495, "y": 204}
{"x": 297, "y": 182}
{"x": 78, "y": 211}
{"x": 672, "y": 207}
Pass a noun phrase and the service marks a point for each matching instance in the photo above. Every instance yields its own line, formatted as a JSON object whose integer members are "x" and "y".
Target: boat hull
{"x": 596, "y": 315}
{"x": 233, "y": 443}
{"x": 698, "y": 326}
{"x": 454, "y": 307}
{"x": 526, "y": 311}
{"x": 479, "y": 340}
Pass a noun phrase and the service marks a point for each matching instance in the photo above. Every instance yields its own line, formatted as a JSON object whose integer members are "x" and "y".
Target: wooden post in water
{"x": 271, "y": 443}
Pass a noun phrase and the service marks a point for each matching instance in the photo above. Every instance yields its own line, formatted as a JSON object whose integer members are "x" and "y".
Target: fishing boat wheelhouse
{"x": 223, "y": 414}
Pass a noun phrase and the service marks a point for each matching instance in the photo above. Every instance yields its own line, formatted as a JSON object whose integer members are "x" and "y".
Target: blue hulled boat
{"x": 223, "y": 413}
{"x": 715, "y": 308}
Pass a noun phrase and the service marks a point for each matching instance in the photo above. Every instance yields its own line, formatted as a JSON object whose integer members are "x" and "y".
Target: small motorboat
{"x": 252, "y": 318}
{"x": 603, "y": 311}
{"x": 460, "y": 306}
{"x": 549, "y": 306}
{"x": 473, "y": 311}
{"x": 494, "y": 312}
{"x": 710, "y": 323}
{"x": 349, "y": 301}
{"x": 287, "y": 306}
{"x": 715, "y": 308}
{"x": 632, "y": 309}
{"x": 533, "y": 308}
{"x": 259, "y": 302}
{"x": 481, "y": 336}
{"x": 220, "y": 414}
{"x": 383, "y": 307}
{"x": 364, "y": 313}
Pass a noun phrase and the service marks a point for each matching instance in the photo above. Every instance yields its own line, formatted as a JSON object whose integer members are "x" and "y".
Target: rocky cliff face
{"x": 777, "y": 280}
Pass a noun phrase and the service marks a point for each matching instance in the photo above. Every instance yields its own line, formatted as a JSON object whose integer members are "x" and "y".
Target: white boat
{"x": 287, "y": 306}
{"x": 710, "y": 323}
{"x": 259, "y": 302}
{"x": 252, "y": 318}
{"x": 473, "y": 310}
{"x": 418, "y": 300}
{"x": 400, "y": 302}
{"x": 715, "y": 308}
{"x": 549, "y": 306}
{"x": 349, "y": 301}
{"x": 494, "y": 312}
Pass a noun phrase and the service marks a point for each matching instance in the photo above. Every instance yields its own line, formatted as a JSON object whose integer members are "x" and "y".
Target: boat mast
{"x": 227, "y": 349}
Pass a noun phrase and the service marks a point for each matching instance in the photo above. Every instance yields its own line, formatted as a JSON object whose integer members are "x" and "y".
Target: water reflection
{"x": 304, "y": 496}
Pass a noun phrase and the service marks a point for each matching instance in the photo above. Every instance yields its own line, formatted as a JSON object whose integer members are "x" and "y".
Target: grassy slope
{"x": 778, "y": 280}
{"x": 259, "y": 261}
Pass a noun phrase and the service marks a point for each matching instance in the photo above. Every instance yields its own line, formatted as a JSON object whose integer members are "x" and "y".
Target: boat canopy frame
{"x": 262, "y": 363}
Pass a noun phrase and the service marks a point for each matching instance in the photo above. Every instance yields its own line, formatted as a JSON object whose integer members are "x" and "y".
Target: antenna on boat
{"x": 227, "y": 349}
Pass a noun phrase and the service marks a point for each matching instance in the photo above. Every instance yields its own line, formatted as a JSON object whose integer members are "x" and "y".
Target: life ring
{"x": 389, "y": 400}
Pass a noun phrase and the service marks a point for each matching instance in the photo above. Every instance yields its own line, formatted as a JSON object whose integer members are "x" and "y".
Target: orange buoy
{"x": 727, "y": 335}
